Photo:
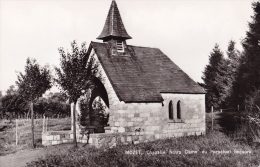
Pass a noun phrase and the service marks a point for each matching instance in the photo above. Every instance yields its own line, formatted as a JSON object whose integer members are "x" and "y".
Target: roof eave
{"x": 143, "y": 101}
{"x": 102, "y": 37}
{"x": 202, "y": 92}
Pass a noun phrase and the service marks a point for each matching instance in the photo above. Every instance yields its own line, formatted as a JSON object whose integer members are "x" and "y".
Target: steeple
{"x": 114, "y": 27}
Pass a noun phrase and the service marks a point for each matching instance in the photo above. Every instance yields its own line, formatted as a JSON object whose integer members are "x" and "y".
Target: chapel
{"x": 143, "y": 93}
{"x": 142, "y": 88}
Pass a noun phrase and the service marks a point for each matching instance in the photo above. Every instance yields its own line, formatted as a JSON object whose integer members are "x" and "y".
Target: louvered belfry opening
{"x": 120, "y": 46}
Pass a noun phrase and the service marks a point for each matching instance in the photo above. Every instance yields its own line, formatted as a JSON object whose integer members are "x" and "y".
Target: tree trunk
{"x": 74, "y": 125}
{"x": 33, "y": 146}
{"x": 28, "y": 113}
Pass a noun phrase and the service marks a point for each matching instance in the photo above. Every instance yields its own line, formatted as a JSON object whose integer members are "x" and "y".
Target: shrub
{"x": 251, "y": 120}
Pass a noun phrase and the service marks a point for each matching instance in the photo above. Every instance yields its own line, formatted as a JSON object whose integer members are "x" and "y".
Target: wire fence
{"x": 19, "y": 131}
{"x": 229, "y": 110}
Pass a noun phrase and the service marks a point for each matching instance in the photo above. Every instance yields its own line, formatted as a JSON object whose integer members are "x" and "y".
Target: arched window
{"x": 179, "y": 109}
{"x": 170, "y": 110}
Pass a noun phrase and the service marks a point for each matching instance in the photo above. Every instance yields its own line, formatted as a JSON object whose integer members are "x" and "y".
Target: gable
{"x": 144, "y": 74}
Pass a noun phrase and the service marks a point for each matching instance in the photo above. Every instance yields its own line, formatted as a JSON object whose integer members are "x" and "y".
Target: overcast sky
{"x": 186, "y": 31}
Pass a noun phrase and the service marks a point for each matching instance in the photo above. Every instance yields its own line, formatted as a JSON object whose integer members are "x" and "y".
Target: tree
{"x": 233, "y": 57}
{"x": 58, "y": 103}
{"x": 99, "y": 114}
{"x": 248, "y": 78}
{"x": 33, "y": 84}
{"x": 1, "y": 105}
{"x": 12, "y": 103}
{"x": 215, "y": 80}
{"x": 232, "y": 68}
{"x": 75, "y": 75}
{"x": 11, "y": 90}
{"x": 53, "y": 106}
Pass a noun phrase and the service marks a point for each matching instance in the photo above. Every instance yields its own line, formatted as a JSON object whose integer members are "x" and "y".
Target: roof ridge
{"x": 144, "y": 47}
{"x": 130, "y": 45}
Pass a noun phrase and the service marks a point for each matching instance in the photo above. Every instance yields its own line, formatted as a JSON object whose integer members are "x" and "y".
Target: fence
{"x": 18, "y": 132}
{"x": 229, "y": 110}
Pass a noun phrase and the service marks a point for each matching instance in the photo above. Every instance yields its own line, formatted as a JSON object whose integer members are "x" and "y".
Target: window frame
{"x": 170, "y": 111}
{"x": 175, "y": 118}
{"x": 178, "y": 109}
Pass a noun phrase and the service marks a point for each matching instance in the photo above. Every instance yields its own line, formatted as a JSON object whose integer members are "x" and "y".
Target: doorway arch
{"x": 97, "y": 117}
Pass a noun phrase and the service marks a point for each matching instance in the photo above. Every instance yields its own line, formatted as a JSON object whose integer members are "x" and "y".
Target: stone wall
{"x": 153, "y": 118}
{"x": 192, "y": 114}
{"x": 56, "y": 137}
{"x": 97, "y": 140}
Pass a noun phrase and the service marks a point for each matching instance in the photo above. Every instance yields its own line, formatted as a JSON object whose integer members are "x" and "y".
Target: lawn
{"x": 216, "y": 148}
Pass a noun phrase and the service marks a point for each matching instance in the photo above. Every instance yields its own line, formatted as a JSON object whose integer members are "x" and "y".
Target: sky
{"x": 186, "y": 31}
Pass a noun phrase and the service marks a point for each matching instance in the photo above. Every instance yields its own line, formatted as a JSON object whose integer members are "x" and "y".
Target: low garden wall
{"x": 105, "y": 139}
{"x": 98, "y": 139}
{"x": 56, "y": 137}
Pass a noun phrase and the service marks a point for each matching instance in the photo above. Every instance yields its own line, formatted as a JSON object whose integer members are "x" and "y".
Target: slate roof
{"x": 114, "y": 26}
{"x": 144, "y": 74}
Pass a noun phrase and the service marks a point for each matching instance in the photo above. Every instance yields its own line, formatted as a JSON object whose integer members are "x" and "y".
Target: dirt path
{"x": 19, "y": 159}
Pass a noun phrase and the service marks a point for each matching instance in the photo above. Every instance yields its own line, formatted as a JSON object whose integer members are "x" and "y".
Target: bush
{"x": 252, "y": 104}
{"x": 251, "y": 120}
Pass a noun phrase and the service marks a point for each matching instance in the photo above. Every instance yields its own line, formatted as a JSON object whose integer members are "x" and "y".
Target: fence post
{"x": 238, "y": 108}
{"x": 16, "y": 132}
{"x": 43, "y": 128}
{"x": 47, "y": 124}
{"x": 212, "y": 117}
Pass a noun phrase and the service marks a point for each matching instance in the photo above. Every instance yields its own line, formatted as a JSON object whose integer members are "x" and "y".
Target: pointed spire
{"x": 114, "y": 26}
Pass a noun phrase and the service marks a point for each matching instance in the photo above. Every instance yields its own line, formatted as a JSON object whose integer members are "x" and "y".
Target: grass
{"x": 226, "y": 131}
{"x": 7, "y": 133}
{"x": 236, "y": 126}
{"x": 214, "y": 140}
